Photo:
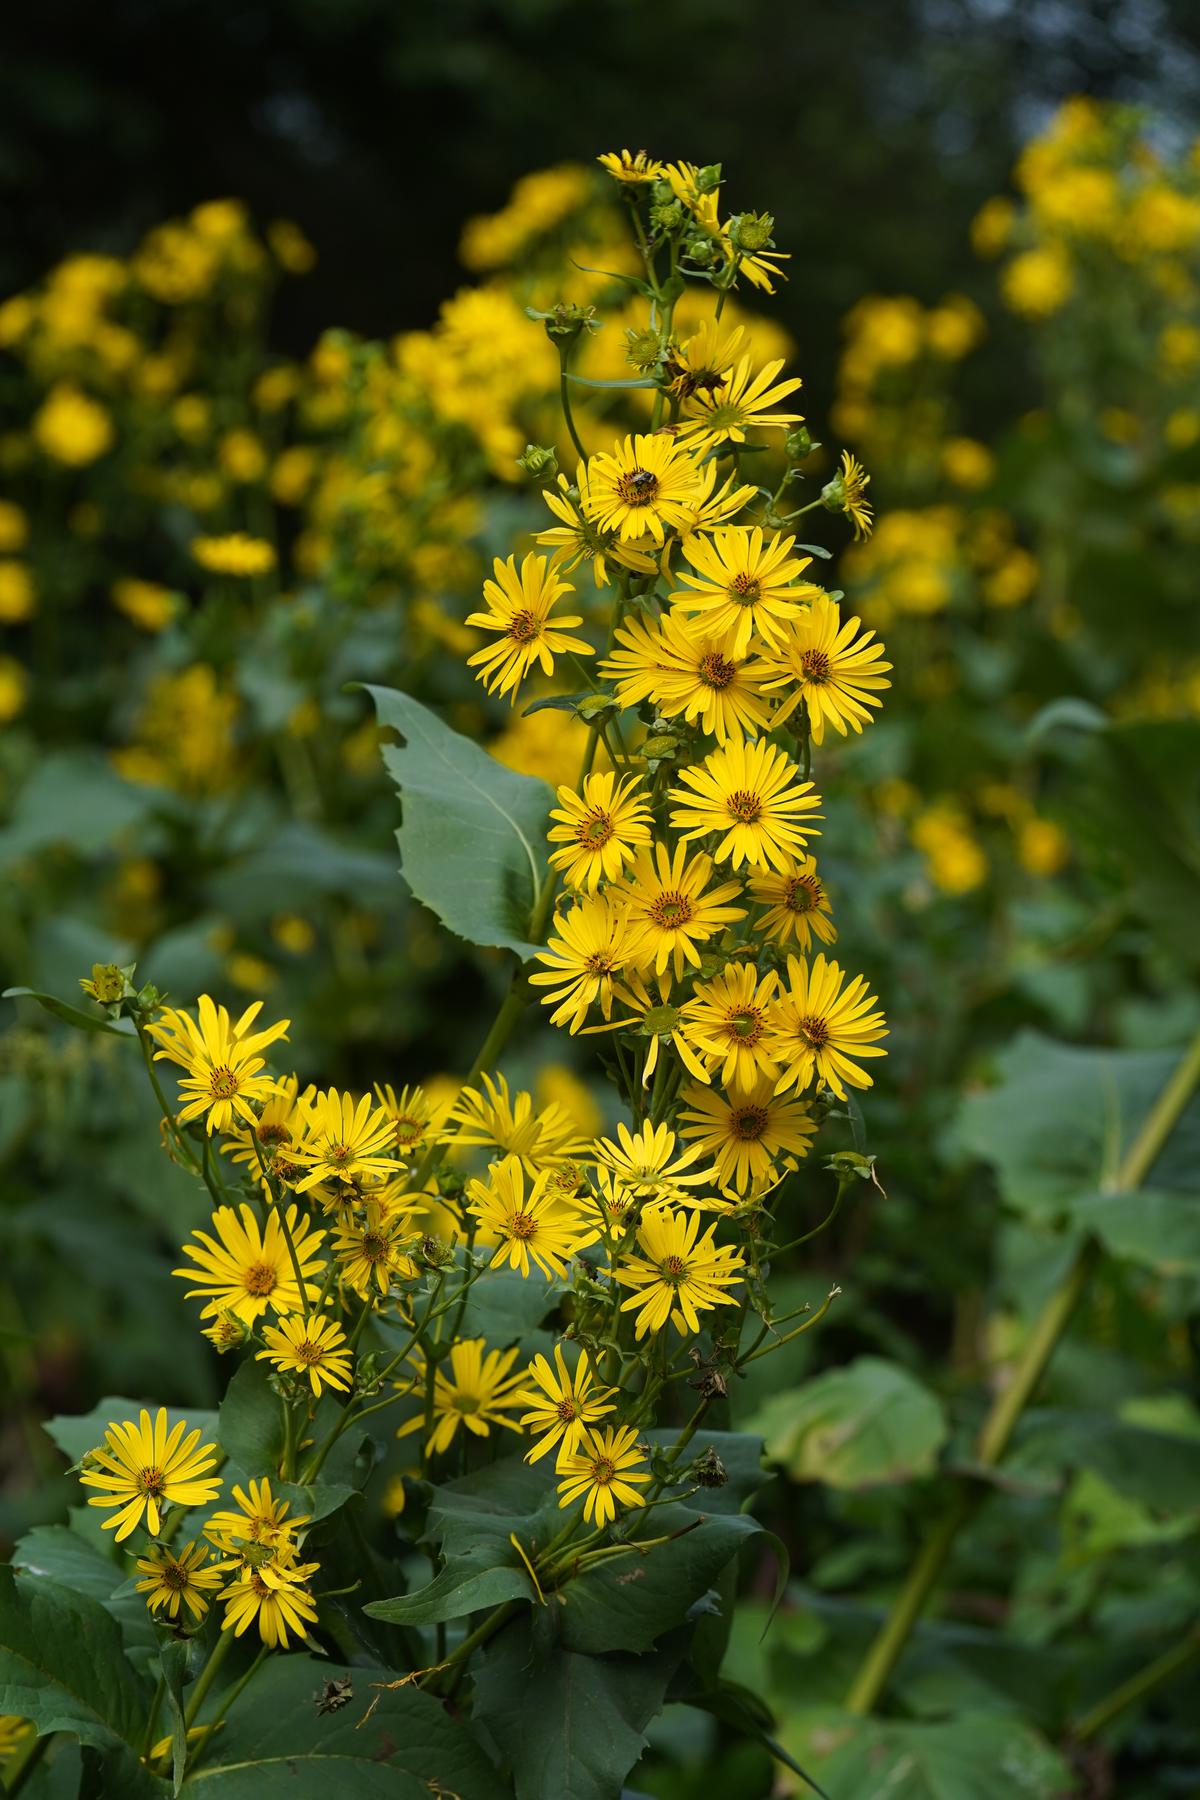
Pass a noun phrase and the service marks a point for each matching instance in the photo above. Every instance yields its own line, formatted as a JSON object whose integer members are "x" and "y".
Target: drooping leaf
{"x": 472, "y": 834}
{"x": 63, "y": 1664}
{"x": 858, "y": 1427}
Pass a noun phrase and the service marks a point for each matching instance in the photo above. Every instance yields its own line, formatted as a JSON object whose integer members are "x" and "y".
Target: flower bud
{"x": 565, "y": 322}
{"x": 799, "y": 443}
{"x": 751, "y": 232}
{"x": 538, "y": 461}
{"x": 708, "y": 179}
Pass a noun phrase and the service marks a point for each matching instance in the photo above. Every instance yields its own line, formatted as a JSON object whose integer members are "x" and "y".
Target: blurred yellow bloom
{"x": 14, "y": 689}
{"x": 234, "y": 554}
{"x": 14, "y": 527}
{"x": 18, "y": 597}
{"x": 71, "y": 427}
{"x": 148, "y": 605}
{"x": 1038, "y": 282}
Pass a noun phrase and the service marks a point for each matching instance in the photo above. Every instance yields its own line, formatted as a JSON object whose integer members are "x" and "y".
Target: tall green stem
{"x": 1156, "y": 1674}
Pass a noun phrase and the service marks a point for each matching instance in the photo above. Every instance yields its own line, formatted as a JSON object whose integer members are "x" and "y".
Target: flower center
{"x": 374, "y": 1247}
{"x": 671, "y": 910}
{"x": 408, "y": 1131}
{"x": 274, "y": 1134}
{"x": 173, "y": 1576}
{"x": 338, "y": 1153}
{"x": 224, "y": 1083}
{"x": 262, "y": 1591}
{"x": 308, "y": 1352}
{"x": 260, "y": 1278}
{"x": 801, "y": 893}
{"x": 520, "y": 1225}
{"x": 748, "y": 1122}
{"x": 744, "y": 806}
{"x": 566, "y": 1411}
{"x": 467, "y": 1403}
{"x": 595, "y": 830}
{"x": 599, "y": 963}
{"x": 673, "y": 1268}
{"x": 816, "y": 1031}
{"x": 152, "y": 1482}
{"x": 746, "y": 588}
{"x": 638, "y": 488}
{"x": 716, "y": 671}
{"x": 816, "y": 666}
{"x": 602, "y": 1471}
{"x": 746, "y": 1025}
{"x": 523, "y": 626}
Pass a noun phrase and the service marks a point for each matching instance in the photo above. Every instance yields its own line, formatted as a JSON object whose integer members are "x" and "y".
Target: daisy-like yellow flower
{"x": 743, "y": 584}
{"x": 648, "y": 1161}
{"x": 743, "y": 403}
{"x": 847, "y": 493}
{"x": 473, "y": 1390}
{"x": 796, "y": 901}
{"x": 227, "y": 1332}
{"x": 705, "y": 361}
{"x": 143, "y": 1468}
{"x": 590, "y": 946}
{"x": 415, "y": 1118}
{"x": 284, "y": 1119}
{"x": 244, "y": 1270}
{"x": 346, "y": 1140}
{"x": 837, "y": 677}
{"x": 681, "y": 1274}
{"x": 603, "y": 1473}
{"x": 728, "y": 1020}
{"x": 545, "y": 1227}
{"x": 222, "y": 1061}
{"x": 371, "y": 1247}
{"x": 494, "y": 1119}
{"x": 600, "y": 830}
{"x": 314, "y": 1347}
{"x": 714, "y": 506}
{"x": 178, "y": 1578}
{"x": 751, "y": 1134}
{"x": 672, "y": 907}
{"x": 519, "y": 605}
{"x": 274, "y": 1597}
{"x": 260, "y": 1519}
{"x": 633, "y": 167}
{"x": 577, "y": 539}
{"x": 617, "y": 1207}
{"x": 562, "y": 1406}
{"x": 682, "y": 671}
{"x": 753, "y": 793}
{"x": 652, "y": 1015}
{"x": 645, "y": 485}
{"x": 822, "y": 1024}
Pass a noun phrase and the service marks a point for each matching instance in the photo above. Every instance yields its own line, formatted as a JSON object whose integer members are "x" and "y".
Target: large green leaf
{"x": 54, "y": 1553}
{"x": 472, "y": 839}
{"x": 72, "y": 798}
{"x": 250, "y": 1423}
{"x": 470, "y": 1582}
{"x": 858, "y": 1427}
{"x": 979, "y": 1756}
{"x": 1161, "y": 1231}
{"x": 63, "y": 1664}
{"x": 1159, "y": 1467}
{"x": 485, "y": 1509}
{"x": 1145, "y": 809}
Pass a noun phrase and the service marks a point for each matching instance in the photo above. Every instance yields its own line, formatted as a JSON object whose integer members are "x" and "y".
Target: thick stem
{"x": 207, "y": 1676}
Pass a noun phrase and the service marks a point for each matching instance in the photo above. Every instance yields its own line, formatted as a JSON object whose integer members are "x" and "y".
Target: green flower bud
{"x": 709, "y": 178}
{"x": 538, "y": 461}
{"x": 644, "y": 350}
{"x": 799, "y": 443}
{"x": 751, "y": 231}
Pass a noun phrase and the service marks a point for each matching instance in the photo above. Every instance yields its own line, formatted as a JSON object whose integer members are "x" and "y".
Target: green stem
{"x": 491, "y": 1625}
{"x": 185, "y": 1149}
{"x": 207, "y": 1676}
{"x": 1163, "y": 1669}
{"x": 226, "y": 1705}
{"x": 565, "y": 395}
{"x": 798, "y": 1332}
{"x": 1006, "y": 1410}
{"x": 284, "y": 1227}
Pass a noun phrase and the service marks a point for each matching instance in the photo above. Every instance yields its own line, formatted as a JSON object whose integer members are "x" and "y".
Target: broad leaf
{"x": 54, "y": 1553}
{"x": 250, "y": 1422}
{"x": 858, "y": 1427}
{"x": 472, "y": 837}
{"x": 1160, "y": 1231}
{"x": 73, "y": 798}
{"x": 481, "y": 1511}
{"x": 1161, "y": 1468}
{"x": 466, "y": 1585}
{"x": 977, "y": 1756}
{"x": 63, "y": 1664}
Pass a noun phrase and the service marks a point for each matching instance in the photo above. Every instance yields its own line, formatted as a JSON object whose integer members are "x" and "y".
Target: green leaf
{"x": 978, "y": 1756}
{"x": 55, "y": 1553}
{"x": 63, "y": 1665}
{"x": 72, "y": 798}
{"x": 250, "y": 1422}
{"x": 472, "y": 840}
{"x": 862, "y": 1426}
{"x": 507, "y": 1306}
{"x": 484, "y": 1509}
{"x": 278, "y": 1742}
{"x": 1066, "y": 712}
{"x": 1158, "y": 1467}
{"x": 466, "y": 1585}
{"x": 1159, "y": 1231}
{"x": 73, "y": 1015}
{"x": 1144, "y": 809}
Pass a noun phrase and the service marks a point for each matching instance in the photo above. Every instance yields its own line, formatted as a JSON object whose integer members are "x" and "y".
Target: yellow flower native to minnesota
{"x": 591, "y": 945}
{"x": 143, "y": 1468}
{"x": 713, "y": 419}
{"x": 519, "y": 605}
{"x": 372, "y": 1246}
{"x": 645, "y": 485}
{"x": 673, "y": 908}
{"x": 562, "y": 1406}
{"x": 681, "y": 1273}
{"x": 347, "y": 1140}
{"x": 727, "y": 1021}
{"x": 796, "y": 902}
{"x": 178, "y": 1578}
{"x": 750, "y": 1133}
{"x": 743, "y": 584}
{"x": 577, "y": 539}
{"x": 600, "y": 830}
{"x": 222, "y": 1060}
{"x": 259, "y": 1519}
{"x": 475, "y": 1390}
{"x": 847, "y": 493}
{"x": 649, "y": 1161}
{"x": 273, "y": 1596}
{"x": 603, "y": 1473}
{"x": 822, "y": 1024}
{"x": 243, "y": 1270}
{"x": 835, "y": 672}
{"x": 313, "y": 1348}
{"x": 544, "y": 1227}
{"x": 685, "y": 670}
{"x": 496, "y": 1119}
{"x": 236, "y": 554}
{"x": 753, "y": 794}
{"x": 282, "y": 1122}
{"x": 415, "y": 1117}
{"x": 633, "y": 167}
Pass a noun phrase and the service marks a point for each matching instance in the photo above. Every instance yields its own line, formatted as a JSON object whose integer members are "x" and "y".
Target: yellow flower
{"x": 600, "y": 829}
{"x": 14, "y": 689}
{"x": 562, "y": 1406}
{"x": 248, "y": 1269}
{"x": 18, "y": 596}
{"x": 372, "y": 1249}
{"x": 477, "y": 1392}
{"x": 235, "y": 554}
{"x": 633, "y": 167}
{"x": 415, "y": 1117}
{"x": 241, "y": 456}
{"x": 705, "y": 361}
{"x": 647, "y": 484}
{"x": 222, "y": 1061}
{"x": 752, "y": 793}
{"x": 669, "y": 663}
{"x": 149, "y": 606}
{"x": 797, "y": 902}
{"x": 14, "y": 527}
{"x": 742, "y": 586}
{"x": 822, "y": 1024}
{"x": 544, "y": 1227}
{"x": 519, "y": 605}
{"x": 345, "y": 1141}
{"x": 227, "y": 1332}
{"x": 672, "y": 908}
{"x": 604, "y": 1470}
{"x": 1038, "y": 282}
{"x": 178, "y": 1578}
{"x": 649, "y": 1161}
{"x": 145, "y": 1467}
{"x": 260, "y": 1519}
{"x": 281, "y": 1122}
{"x": 727, "y": 1021}
{"x": 14, "y": 1733}
{"x": 590, "y": 946}
{"x": 654, "y": 1018}
{"x": 274, "y": 1596}
{"x": 494, "y": 1118}
{"x": 314, "y": 1347}
{"x": 681, "y": 1273}
{"x": 576, "y": 539}
{"x": 742, "y": 404}
{"x": 71, "y": 427}
{"x": 847, "y": 493}
{"x": 751, "y": 1134}
{"x": 837, "y": 674}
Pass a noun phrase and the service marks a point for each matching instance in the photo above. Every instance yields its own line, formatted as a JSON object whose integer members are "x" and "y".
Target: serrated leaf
{"x": 63, "y": 1664}
{"x": 73, "y": 1015}
{"x": 472, "y": 837}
